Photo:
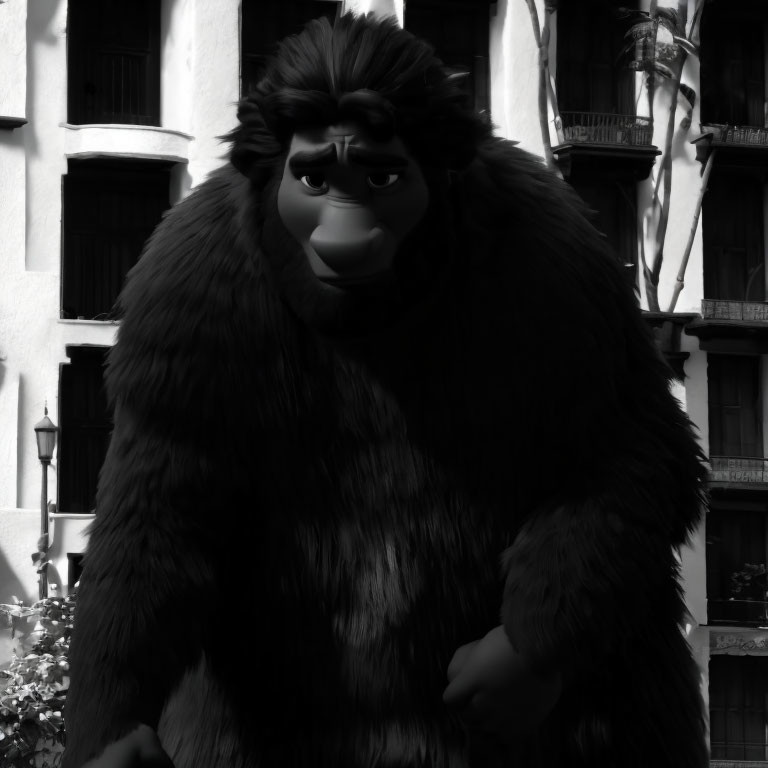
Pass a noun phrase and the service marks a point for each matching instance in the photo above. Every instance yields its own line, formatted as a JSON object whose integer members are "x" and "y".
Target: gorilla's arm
{"x": 150, "y": 565}
{"x": 583, "y": 571}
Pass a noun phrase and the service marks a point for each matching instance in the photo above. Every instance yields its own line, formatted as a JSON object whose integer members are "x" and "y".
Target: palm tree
{"x": 661, "y": 41}
{"x": 546, "y": 88}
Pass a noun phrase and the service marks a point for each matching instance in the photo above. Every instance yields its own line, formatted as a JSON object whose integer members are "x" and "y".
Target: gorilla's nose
{"x": 348, "y": 240}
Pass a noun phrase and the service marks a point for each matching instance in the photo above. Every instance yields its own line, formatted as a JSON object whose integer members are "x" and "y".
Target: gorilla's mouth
{"x": 376, "y": 279}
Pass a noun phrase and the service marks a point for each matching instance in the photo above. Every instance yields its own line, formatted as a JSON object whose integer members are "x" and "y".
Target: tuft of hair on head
{"x": 366, "y": 69}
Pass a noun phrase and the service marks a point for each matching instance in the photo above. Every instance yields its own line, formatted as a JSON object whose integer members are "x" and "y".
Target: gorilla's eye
{"x": 315, "y": 181}
{"x": 382, "y": 180}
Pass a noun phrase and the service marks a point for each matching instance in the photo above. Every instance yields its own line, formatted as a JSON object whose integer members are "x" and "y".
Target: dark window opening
{"x": 110, "y": 209}
{"x": 113, "y": 62}
{"x": 738, "y": 687}
{"x": 74, "y": 568}
{"x": 592, "y": 76}
{"x": 733, "y": 64}
{"x": 735, "y": 407}
{"x": 736, "y": 559}
{"x": 732, "y": 228}
{"x": 85, "y": 424}
{"x": 264, "y": 23}
{"x": 614, "y": 206}
{"x": 459, "y": 31}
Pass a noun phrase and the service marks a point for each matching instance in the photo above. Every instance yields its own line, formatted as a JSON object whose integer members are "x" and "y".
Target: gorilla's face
{"x": 350, "y": 201}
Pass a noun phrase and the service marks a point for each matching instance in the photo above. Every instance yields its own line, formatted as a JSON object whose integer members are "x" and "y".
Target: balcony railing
{"x": 606, "y": 128}
{"x": 722, "y": 309}
{"x": 747, "y": 747}
{"x": 744, "y": 135}
{"x": 117, "y": 87}
{"x": 738, "y": 612}
{"x": 738, "y": 469}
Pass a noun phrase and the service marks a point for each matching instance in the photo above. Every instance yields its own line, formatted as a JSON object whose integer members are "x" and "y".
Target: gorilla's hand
{"x": 494, "y": 688}
{"x": 139, "y": 749}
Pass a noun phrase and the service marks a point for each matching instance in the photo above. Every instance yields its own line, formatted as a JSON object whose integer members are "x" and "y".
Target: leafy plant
{"x": 33, "y": 688}
{"x": 750, "y": 583}
{"x": 660, "y": 41}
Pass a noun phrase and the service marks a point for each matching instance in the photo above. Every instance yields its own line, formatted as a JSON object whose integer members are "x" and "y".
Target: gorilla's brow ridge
{"x": 313, "y": 158}
{"x": 322, "y": 157}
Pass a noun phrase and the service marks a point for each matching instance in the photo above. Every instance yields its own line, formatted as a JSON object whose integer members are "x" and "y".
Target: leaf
{"x": 686, "y": 45}
{"x": 663, "y": 70}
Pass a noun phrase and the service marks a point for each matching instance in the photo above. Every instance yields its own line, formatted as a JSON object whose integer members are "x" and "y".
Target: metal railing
{"x": 738, "y": 469}
{"x": 737, "y": 762}
{"x": 725, "y": 309}
{"x": 747, "y": 135}
{"x": 734, "y": 611}
{"x": 607, "y": 128}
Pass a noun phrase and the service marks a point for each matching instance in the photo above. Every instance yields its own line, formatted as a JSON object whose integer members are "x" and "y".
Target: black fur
{"x": 311, "y": 500}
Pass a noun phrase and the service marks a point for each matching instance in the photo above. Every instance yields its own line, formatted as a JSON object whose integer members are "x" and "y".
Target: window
{"x": 110, "y": 209}
{"x": 737, "y": 707}
{"x": 732, "y": 65}
{"x": 735, "y": 408}
{"x": 732, "y": 227}
{"x": 265, "y": 23}
{"x": 591, "y": 77}
{"x": 615, "y": 216}
{"x": 113, "y": 62}
{"x": 74, "y": 569}
{"x": 85, "y": 424}
{"x": 736, "y": 542}
{"x": 459, "y": 32}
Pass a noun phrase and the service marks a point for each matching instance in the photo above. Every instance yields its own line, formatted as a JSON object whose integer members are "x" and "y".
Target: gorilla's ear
{"x": 255, "y": 149}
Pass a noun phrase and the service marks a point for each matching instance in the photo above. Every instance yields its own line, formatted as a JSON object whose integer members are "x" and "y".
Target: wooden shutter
{"x": 113, "y": 62}
{"x": 264, "y": 23}
{"x": 591, "y": 77}
{"x": 732, "y": 227}
{"x": 109, "y": 211}
{"x": 85, "y": 425}
{"x": 735, "y": 407}
{"x": 737, "y": 707}
{"x": 615, "y": 216}
{"x": 459, "y": 31}
{"x": 732, "y": 64}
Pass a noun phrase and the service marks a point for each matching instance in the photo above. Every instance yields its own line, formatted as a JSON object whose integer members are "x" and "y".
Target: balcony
{"x": 746, "y": 311}
{"x": 738, "y": 472}
{"x": 736, "y": 144}
{"x": 606, "y": 128}
{"x": 608, "y": 144}
{"x": 737, "y": 327}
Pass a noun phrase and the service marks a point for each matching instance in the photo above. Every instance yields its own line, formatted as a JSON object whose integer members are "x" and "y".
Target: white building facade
{"x": 77, "y": 164}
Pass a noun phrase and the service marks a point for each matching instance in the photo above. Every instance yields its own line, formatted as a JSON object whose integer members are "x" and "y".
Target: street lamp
{"x": 45, "y": 433}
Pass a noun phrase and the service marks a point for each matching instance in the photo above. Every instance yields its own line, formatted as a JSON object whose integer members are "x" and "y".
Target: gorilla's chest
{"x": 385, "y": 520}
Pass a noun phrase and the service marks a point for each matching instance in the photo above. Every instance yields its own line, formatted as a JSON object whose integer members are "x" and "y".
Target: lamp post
{"x": 45, "y": 433}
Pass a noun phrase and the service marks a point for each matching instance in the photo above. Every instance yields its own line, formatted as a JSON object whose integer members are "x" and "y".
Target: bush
{"x": 34, "y": 687}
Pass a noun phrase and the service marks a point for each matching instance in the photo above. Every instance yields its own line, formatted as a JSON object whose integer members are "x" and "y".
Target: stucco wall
{"x": 13, "y": 58}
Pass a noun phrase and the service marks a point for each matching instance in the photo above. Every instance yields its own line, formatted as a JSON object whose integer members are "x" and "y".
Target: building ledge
{"x": 85, "y": 321}
{"x": 718, "y": 334}
{"x": 606, "y": 161}
{"x": 128, "y": 141}
{"x": 667, "y": 329}
{"x": 9, "y": 123}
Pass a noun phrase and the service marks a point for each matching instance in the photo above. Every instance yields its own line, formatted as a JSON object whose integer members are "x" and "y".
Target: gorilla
{"x": 396, "y": 477}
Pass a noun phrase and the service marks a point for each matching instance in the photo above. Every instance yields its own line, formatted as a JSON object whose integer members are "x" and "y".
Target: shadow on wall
{"x": 10, "y": 587}
{"x": 10, "y": 584}
{"x": 40, "y": 31}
